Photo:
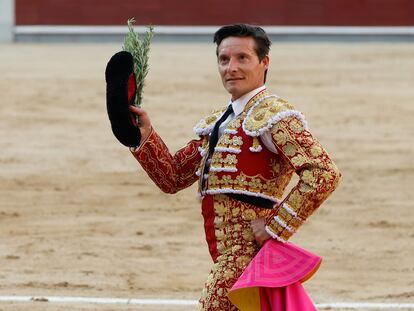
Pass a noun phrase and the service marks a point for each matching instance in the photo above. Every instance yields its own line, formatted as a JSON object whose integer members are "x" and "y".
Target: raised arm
{"x": 170, "y": 173}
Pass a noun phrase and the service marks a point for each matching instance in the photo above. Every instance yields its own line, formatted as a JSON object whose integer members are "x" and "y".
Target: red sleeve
{"x": 318, "y": 177}
{"x": 170, "y": 173}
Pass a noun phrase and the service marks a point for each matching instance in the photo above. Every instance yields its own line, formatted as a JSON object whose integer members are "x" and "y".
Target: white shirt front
{"x": 238, "y": 106}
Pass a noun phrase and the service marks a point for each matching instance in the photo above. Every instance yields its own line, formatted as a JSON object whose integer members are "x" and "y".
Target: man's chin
{"x": 234, "y": 92}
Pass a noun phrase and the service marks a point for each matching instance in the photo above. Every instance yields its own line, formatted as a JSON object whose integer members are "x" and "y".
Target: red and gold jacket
{"x": 242, "y": 164}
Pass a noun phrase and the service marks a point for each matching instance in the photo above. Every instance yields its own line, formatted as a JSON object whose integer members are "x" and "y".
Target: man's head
{"x": 243, "y": 57}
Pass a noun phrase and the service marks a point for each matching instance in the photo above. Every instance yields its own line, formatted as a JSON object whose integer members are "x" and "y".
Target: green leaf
{"x": 139, "y": 49}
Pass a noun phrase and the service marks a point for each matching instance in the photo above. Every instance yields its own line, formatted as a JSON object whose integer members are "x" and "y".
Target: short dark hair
{"x": 245, "y": 30}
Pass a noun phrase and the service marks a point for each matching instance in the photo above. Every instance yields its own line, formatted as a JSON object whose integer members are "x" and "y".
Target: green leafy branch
{"x": 139, "y": 49}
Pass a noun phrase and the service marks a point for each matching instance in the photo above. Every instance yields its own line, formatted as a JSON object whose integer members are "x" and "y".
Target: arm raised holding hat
{"x": 131, "y": 125}
{"x": 125, "y": 75}
{"x": 170, "y": 173}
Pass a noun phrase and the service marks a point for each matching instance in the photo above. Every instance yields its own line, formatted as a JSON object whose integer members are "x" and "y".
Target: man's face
{"x": 239, "y": 66}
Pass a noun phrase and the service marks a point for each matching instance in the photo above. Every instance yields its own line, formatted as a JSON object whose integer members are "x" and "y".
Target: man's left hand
{"x": 260, "y": 234}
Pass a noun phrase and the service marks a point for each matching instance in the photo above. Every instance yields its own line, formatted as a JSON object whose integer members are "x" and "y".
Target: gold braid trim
{"x": 206, "y": 125}
{"x": 318, "y": 175}
{"x": 170, "y": 173}
{"x": 266, "y": 112}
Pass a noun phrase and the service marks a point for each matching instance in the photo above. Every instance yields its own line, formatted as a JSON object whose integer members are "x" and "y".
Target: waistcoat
{"x": 240, "y": 162}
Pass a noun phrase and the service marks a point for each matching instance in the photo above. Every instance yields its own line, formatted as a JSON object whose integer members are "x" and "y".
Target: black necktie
{"x": 214, "y": 135}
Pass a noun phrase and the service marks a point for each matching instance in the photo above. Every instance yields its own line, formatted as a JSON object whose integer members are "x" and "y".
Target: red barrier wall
{"x": 217, "y": 12}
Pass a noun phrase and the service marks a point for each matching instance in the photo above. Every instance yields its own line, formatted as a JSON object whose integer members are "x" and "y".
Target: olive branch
{"x": 139, "y": 49}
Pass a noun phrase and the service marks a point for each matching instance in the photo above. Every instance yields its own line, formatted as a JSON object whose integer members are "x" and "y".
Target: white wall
{"x": 6, "y": 20}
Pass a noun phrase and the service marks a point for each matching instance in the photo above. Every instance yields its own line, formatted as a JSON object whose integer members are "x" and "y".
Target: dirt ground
{"x": 79, "y": 217}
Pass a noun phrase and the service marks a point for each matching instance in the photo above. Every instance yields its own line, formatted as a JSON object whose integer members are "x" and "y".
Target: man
{"x": 243, "y": 160}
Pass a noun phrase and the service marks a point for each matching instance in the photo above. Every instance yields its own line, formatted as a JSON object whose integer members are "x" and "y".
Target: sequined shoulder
{"x": 268, "y": 111}
{"x": 206, "y": 125}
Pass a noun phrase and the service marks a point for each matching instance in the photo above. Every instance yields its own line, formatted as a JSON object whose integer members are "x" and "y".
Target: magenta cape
{"x": 272, "y": 280}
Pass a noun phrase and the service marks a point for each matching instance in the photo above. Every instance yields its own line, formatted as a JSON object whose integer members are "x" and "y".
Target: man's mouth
{"x": 234, "y": 79}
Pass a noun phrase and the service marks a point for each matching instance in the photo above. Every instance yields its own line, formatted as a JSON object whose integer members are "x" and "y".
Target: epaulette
{"x": 206, "y": 125}
{"x": 267, "y": 112}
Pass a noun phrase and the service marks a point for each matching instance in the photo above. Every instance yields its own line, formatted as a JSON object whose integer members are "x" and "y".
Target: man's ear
{"x": 266, "y": 61}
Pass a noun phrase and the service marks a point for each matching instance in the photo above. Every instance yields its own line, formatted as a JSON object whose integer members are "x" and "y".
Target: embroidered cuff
{"x": 284, "y": 224}
{"x": 273, "y": 235}
{"x": 277, "y": 231}
{"x": 137, "y": 148}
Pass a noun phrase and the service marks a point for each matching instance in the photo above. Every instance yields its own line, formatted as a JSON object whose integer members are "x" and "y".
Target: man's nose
{"x": 233, "y": 65}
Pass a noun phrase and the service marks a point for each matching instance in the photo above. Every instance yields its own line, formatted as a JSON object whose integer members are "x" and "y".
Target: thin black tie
{"x": 214, "y": 135}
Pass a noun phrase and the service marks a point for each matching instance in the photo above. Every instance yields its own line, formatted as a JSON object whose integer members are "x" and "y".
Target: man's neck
{"x": 240, "y": 103}
{"x": 251, "y": 91}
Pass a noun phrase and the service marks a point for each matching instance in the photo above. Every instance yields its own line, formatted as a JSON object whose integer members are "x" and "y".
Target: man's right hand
{"x": 145, "y": 123}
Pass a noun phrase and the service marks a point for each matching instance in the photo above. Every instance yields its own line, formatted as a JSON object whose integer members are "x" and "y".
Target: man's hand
{"x": 260, "y": 234}
{"x": 145, "y": 123}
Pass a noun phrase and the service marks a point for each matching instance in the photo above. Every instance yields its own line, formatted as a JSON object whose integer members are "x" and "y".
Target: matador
{"x": 243, "y": 160}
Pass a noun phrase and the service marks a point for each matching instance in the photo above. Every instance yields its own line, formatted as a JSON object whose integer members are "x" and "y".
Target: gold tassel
{"x": 256, "y": 147}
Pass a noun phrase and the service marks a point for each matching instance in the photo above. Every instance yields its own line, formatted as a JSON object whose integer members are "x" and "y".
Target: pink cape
{"x": 272, "y": 280}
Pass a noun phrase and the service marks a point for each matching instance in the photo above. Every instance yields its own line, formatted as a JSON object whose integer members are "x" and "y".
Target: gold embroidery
{"x": 170, "y": 173}
{"x": 280, "y": 137}
{"x": 228, "y": 274}
{"x": 227, "y": 179}
{"x": 214, "y": 116}
{"x": 254, "y": 100}
{"x": 236, "y": 247}
{"x": 305, "y": 188}
{"x": 204, "y": 142}
{"x": 234, "y": 142}
{"x": 299, "y": 160}
{"x": 220, "y": 209}
{"x": 220, "y": 235}
{"x": 213, "y": 179}
{"x": 308, "y": 177}
{"x": 289, "y": 149}
{"x": 327, "y": 176}
{"x": 278, "y": 230}
{"x": 256, "y": 147}
{"x": 240, "y": 183}
{"x": 289, "y": 219}
{"x": 316, "y": 151}
{"x": 218, "y": 222}
{"x": 242, "y": 261}
{"x": 228, "y": 162}
{"x": 256, "y": 184}
{"x": 296, "y": 198}
{"x": 318, "y": 175}
{"x": 248, "y": 235}
{"x": 235, "y": 212}
{"x": 234, "y": 124}
{"x": 249, "y": 214}
{"x": 224, "y": 140}
{"x": 208, "y": 121}
{"x": 296, "y": 126}
{"x": 261, "y": 114}
{"x": 230, "y": 159}
{"x": 221, "y": 247}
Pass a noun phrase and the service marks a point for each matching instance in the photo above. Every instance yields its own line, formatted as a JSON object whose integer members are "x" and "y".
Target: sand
{"x": 79, "y": 217}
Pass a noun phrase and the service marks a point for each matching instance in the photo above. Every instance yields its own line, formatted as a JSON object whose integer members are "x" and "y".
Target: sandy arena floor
{"x": 79, "y": 217}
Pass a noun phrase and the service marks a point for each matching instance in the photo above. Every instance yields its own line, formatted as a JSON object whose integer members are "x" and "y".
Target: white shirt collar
{"x": 239, "y": 104}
